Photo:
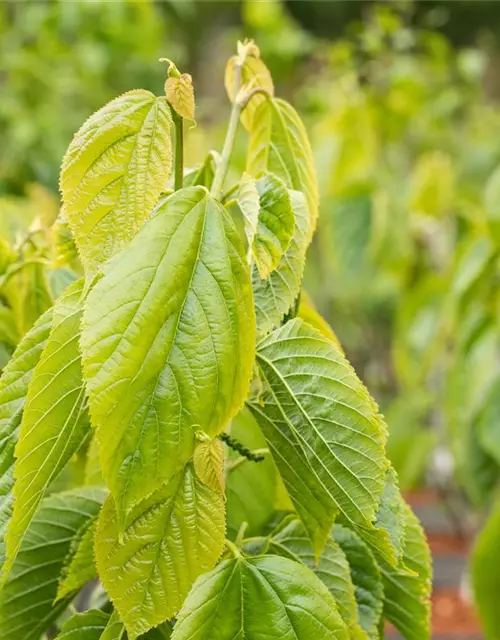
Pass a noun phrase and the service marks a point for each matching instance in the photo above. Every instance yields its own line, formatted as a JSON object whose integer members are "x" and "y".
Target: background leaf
{"x": 84, "y": 626}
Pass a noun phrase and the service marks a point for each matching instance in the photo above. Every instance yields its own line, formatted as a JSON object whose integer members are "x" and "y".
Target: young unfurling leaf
{"x": 180, "y": 94}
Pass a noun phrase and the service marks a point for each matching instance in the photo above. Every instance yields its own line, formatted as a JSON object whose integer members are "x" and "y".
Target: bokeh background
{"x": 401, "y": 100}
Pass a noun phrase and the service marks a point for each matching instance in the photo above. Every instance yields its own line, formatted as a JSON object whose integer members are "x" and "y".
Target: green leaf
{"x": 323, "y": 429}
{"x": 275, "y": 296}
{"x": 177, "y": 357}
{"x": 114, "y": 171}
{"x": 203, "y": 175}
{"x": 365, "y": 576}
{"x": 279, "y": 144}
{"x": 13, "y": 390}
{"x": 115, "y": 629}
{"x": 180, "y": 93}
{"x": 54, "y": 422}
{"x": 79, "y": 565}
{"x": 276, "y": 224}
{"x": 208, "y": 462}
{"x": 254, "y": 74}
{"x": 84, "y": 626}
{"x": 251, "y": 487}
{"x": 407, "y": 592}
{"x": 290, "y": 540}
{"x": 261, "y": 597}
{"x": 36, "y": 297}
{"x": 27, "y": 597}
{"x": 249, "y": 203}
{"x": 169, "y": 540}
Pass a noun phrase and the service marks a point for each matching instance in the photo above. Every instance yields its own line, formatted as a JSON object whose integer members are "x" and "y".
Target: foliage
{"x": 189, "y": 321}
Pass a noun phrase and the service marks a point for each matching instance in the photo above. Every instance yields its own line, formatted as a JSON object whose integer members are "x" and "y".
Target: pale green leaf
{"x": 254, "y": 74}
{"x": 275, "y": 296}
{"x": 323, "y": 429}
{"x": 93, "y": 473}
{"x": 256, "y": 598}
{"x": 169, "y": 540}
{"x": 291, "y": 541}
{"x": 84, "y": 626}
{"x": 249, "y": 203}
{"x": 208, "y": 462}
{"x": 114, "y": 171}
{"x": 79, "y": 565}
{"x": 59, "y": 280}
{"x": 276, "y": 224}
{"x": 279, "y": 144}
{"x": 36, "y": 296}
{"x": 365, "y": 576}
{"x": 13, "y": 390}
{"x": 177, "y": 356}
{"x": 27, "y": 597}
{"x": 54, "y": 422}
{"x": 407, "y": 591}
{"x": 180, "y": 93}
{"x": 203, "y": 174}
{"x": 251, "y": 487}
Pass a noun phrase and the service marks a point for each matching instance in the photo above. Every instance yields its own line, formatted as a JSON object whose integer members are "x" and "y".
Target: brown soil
{"x": 452, "y": 616}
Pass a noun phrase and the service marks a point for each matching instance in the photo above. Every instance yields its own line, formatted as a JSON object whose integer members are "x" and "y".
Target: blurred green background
{"x": 401, "y": 103}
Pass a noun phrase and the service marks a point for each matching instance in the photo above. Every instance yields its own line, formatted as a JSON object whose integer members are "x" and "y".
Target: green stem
{"x": 179, "y": 150}
{"x": 232, "y": 128}
{"x": 233, "y": 548}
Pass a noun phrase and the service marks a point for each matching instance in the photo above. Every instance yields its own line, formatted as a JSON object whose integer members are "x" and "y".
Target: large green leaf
{"x": 275, "y": 296}
{"x": 54, "y": 422}
{"x": 13, "y": 390}
{"x": 407, "y": 592}
{"x": 261, "y": 597}
{"x": 323, "y": 429}
{"x": 251, "y": 487}
{"x": 114, "y": 171}
{"x": 279, "y": 143}
{"x": 27, "y": 597}
{"x": 177, "y": 356}
{"x": 365, "y": 576}
{"x": 169, "y": 540}
{"x": 84, "y": 626}
{"x": 291, "y": 541}
{"x": 79, "y": 565}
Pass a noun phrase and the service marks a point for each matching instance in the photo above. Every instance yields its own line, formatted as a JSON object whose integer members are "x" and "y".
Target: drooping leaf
{"x": 208, "y": 462}
{"x": 261, "y": 597}
{"x": 177, "y": 357}
{"x": 291, "y": 541}
{"x": 279, "y": 144}
{"x": 180, "y": 93}
{"x": 323, "y": 429}
{"x": 113, "y": 172}
{"x": 169, "y": 540}
{"x": 365, "y": 576}
{"x": 407, "y": 592}
{"x": 27, "y": 597}
{"x": 276, "y": 224}
{"x": 251, "y": 487}
{"x": 84, "y": 626}
{"x": 55, "y": 420}
{"x": 275, "y": 296}
{"x": 13, "y": 390}
{"x": 79, "y": 565}
{"x": 254, "y": 74}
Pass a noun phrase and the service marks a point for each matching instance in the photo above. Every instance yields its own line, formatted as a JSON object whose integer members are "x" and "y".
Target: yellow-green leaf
{"x": 79, "y": 566}
{"x": 209, "y": 463}
{"x": 279, "y": 144}
{"x": 180, "y": 93}
{"x": 176, "y": 357}
{"x": 114, "y": 171}
{"x": 169, "y": 540}
{"x": 254, "y": 74}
